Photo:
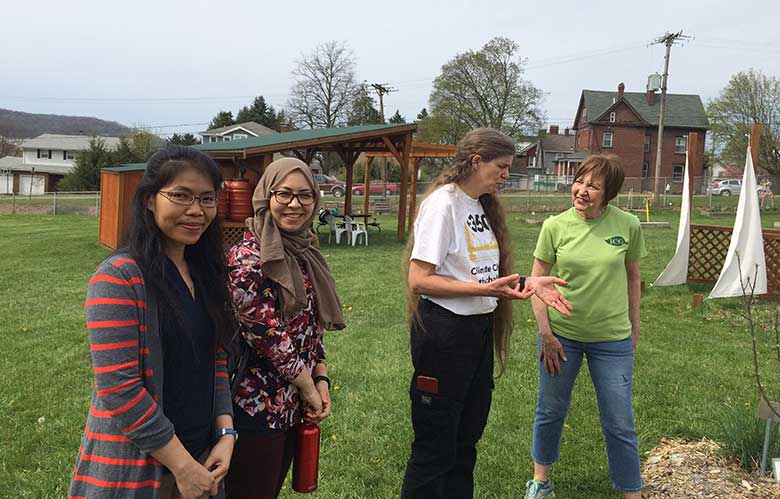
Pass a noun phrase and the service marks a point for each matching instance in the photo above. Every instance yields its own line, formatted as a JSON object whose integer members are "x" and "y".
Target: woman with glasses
{"x": 160, "y": 420}
{"x": 284, "y": 296}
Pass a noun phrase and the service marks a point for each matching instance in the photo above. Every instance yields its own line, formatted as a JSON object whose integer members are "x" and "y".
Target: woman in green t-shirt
{"x": 596, "y": 248}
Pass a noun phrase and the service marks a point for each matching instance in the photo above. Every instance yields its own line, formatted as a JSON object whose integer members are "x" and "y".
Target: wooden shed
{"x": 117, "y": 186}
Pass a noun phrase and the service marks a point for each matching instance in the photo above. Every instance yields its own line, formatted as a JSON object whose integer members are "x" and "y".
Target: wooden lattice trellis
{"x": 709, "y": 246}
{"x": 232, "y": 232}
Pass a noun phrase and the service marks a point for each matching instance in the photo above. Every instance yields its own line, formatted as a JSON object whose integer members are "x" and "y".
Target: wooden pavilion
{"x": 248, "y": 158}
{"x": 420, "y": 150}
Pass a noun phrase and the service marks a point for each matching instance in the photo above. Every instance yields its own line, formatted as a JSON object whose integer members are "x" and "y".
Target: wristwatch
{"x": 227, "y": 431}
{"x": 322, "y": 378}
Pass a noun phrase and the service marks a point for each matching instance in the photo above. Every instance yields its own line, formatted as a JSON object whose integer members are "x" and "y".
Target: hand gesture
{"x": 634, "y": 337}
{"x": 195, "y": 481}
{"x": 544, "y": 289}
{"x": 312, "y": 404}
{"x": 507, "y": 287}
{"x": 552, "y": 353}
{"x": 322, "y": 388}
{"x": 218, "y": 461}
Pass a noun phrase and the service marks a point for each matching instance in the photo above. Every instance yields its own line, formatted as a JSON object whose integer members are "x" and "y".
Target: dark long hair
{"x": 206, "y": 258}
{"x": 489, "y": 144}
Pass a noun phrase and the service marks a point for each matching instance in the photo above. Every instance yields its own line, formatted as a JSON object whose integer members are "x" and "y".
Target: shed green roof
{"x": 128, "y": 167}
{"x": 289, "y": 137}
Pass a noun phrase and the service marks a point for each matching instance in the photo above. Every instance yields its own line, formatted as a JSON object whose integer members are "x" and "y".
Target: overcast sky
{"x": 161, "y": 63}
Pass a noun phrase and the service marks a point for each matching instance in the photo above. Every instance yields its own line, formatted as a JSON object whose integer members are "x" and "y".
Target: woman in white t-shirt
{"x": 460, "y": 289}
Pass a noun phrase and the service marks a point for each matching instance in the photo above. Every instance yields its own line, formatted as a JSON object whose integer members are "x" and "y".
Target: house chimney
{"x": 621, "y": 89}
{"x": 650, "y": 97}
{"x": 566, "y": 131}
{"x": 553, "y": 129}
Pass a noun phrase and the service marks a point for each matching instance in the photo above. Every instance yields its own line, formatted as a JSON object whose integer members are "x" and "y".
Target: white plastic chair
{"x": 335, "y": 228}
{"x": 355, "y": 229}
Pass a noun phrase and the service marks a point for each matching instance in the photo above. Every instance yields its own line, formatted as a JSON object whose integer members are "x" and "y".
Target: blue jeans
{"x": 611, "y": 365}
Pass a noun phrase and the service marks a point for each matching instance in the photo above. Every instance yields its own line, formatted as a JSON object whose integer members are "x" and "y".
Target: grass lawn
{"x": 688, "y": 365}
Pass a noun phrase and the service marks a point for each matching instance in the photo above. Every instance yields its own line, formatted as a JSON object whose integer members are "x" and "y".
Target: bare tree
{"x": 761, "y": 329}
{"x": 324, "y": 87}
{"x": 9, "y": 147}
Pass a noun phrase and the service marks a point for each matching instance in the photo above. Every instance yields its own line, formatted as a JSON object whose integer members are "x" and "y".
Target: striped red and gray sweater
{"x": 126, "y": 421}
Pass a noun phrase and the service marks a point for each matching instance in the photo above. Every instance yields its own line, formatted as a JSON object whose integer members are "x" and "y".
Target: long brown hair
{"x": 489, "y": 144}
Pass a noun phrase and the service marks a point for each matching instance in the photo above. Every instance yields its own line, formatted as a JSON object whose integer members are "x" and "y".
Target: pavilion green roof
{"x": 292, "y": 137}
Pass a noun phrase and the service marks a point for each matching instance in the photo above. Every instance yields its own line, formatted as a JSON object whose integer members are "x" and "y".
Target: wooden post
{"x": 406, "y": 150}
{"x": 693, "y": 164}
{"x": 366, "y": 180}
{"x": 348, "y": 193}
{"x": 413, "y": 194}
{"x": 755, "y": 143}
{"x": 348, "y": 156}
{"x": 697, "y": 300}
{"x": 267, "y": 160}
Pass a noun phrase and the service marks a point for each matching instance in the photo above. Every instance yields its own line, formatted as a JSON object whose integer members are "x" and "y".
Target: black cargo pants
{"x": 457, "y": 350}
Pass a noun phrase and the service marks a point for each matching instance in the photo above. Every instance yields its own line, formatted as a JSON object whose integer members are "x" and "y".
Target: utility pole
{"x": 667, "y": 39}
{"x": 382, "y": 89}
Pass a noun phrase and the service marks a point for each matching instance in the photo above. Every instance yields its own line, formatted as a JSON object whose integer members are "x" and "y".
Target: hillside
{"x": 19, "y": 125}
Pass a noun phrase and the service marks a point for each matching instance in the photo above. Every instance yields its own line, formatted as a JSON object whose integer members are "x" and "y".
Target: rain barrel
{"x": 240, "y": 199}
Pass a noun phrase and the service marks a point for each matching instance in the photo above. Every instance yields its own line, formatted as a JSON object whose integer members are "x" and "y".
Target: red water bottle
{"x": 307, "y": 458}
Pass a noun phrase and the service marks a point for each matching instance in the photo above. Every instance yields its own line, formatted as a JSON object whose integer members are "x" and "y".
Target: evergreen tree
{"x": 85, "y": 175}
{"x": 186, "y": 139}
{"x": 397, "y": 118}
{"x": 223, "y": 118}
{"x": 259, "y": 112}
{"x": 363, "y": 111}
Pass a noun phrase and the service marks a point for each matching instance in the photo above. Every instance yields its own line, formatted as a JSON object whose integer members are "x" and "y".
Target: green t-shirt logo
{"x": 616, "y": 241}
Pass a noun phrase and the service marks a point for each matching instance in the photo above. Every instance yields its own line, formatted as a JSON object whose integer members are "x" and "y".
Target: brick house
{"x": 626, "y": 124}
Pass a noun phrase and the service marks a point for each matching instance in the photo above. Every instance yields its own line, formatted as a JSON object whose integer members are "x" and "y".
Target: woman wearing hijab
{"x": 284, "y": 296}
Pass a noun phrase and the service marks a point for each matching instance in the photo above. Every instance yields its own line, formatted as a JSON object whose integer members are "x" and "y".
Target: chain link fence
{"x": 52, "y": 203}
{"x": 552, "y": 194}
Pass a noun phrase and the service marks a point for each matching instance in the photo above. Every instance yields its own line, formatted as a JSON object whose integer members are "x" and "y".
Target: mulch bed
{"x": 678, "y": 468}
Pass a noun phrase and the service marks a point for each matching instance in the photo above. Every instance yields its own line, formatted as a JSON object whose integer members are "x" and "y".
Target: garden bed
{"x": 678, "y": 468}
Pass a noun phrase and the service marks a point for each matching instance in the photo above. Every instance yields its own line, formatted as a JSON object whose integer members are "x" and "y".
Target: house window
{"x": 647, "y": 143}
{"x": 681, "y": 144}
{"x": 44, "y": 153}
{"x": 612, "y": 117}
{"x": 69, "y": 155}
{"x": 645, "y": 169}
{"x": 607, "y": 139}
{"x": 677, "y": 173}
{"x": 237, "y": 136}
{"x": 225, "y": 138}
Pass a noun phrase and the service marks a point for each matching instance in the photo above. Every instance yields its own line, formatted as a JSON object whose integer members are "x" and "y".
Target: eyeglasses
{"x": 184, "y": 198}
{"x": 305, "y": 198}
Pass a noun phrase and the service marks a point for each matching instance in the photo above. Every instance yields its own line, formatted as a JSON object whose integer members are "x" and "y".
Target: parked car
{"x": 330, "y": 185}
{"x": 376, "y": 187}
{"x": 725, "y": 187}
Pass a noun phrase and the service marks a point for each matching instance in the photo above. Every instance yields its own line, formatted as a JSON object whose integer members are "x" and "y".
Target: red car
{"x": 330, "y": 185}
{"x": 376, "y": 187}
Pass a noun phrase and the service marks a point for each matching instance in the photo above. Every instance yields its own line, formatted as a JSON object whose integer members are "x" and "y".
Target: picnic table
{"x": 354, "y": 216}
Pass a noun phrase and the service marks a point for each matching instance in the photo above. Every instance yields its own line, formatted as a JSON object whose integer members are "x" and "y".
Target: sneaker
{"x": 539, "y": 490}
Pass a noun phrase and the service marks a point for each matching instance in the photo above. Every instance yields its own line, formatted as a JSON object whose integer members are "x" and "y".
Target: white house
{"x": 235, "y": 132}
{"x": 44, "y": 161}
